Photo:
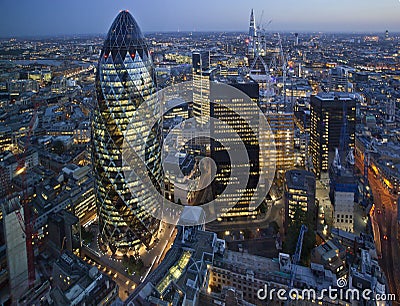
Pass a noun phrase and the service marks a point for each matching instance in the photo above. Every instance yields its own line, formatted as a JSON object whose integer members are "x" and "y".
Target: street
{"x": 112, "y": 266}
{"x": 385, "y": 214}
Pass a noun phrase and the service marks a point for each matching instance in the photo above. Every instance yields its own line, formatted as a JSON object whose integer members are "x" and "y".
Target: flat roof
{"x": 329, "y": 96}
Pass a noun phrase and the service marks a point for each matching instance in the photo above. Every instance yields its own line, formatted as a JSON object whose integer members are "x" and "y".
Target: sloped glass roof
{"x": 124, "y": 35}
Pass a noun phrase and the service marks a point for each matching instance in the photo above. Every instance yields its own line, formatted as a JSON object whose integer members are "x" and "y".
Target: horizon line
{"x": 201, "y": 32}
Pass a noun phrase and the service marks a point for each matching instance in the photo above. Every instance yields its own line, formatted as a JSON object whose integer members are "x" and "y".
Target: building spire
{"x": 252, "y": 35}
{"x": 252, "y": 29}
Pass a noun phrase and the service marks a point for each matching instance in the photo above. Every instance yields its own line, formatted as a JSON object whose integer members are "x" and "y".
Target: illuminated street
{"x": 385, "y": 215}
{"x": 114, "y": 267}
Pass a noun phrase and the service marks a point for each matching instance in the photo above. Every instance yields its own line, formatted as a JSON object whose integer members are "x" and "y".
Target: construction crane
{"x": 26, "y": 221}
{"x": 5, "y": 182}
{"x": 259, "y": 25}
{"x": 262, "y": 26}
{"x": 296, "y": 257}
{"x": 284, "y": 66}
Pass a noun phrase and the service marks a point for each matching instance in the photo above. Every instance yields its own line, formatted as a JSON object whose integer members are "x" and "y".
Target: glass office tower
{"x": 124, "y": 80}
{"x": 327, "y": 112}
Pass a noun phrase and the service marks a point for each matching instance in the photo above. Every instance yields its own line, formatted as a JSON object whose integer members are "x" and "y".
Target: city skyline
{"x": 74, "y": 17}
{"x": 239, "y": 164}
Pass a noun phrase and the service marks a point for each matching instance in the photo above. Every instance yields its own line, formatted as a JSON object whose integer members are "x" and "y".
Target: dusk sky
{"x": 49, "y": 17}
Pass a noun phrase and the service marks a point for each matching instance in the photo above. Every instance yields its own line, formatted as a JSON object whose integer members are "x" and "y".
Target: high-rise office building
{"x": 299, "y": 193}
{"x": 226, "y": 120}
{"x": 202, "y": 74}
{"x": 201, "y": 61}
{"x": 282, "y": 125}
{"x": 124, "y": 81}
{"x": 327, "y": 110}
{"x": 209, "y": 100}
{"x": 17, "y": 261}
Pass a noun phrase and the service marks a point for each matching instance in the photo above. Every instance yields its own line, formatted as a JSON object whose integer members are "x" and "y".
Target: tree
{"x": 132, "y": 263}
{"x": 300, "y": 217}
{"x": 87, "y": 236}
{"x": 263, "y": 207}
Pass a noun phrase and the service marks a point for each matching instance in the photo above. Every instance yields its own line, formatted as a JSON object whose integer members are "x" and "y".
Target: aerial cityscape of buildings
{"x": 79, "y": 225}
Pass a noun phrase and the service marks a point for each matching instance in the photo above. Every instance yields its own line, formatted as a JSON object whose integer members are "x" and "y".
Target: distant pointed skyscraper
{"x": 252, "y": 30}
{"x": 124, "y": 80}
{"x": 252, "y": 35}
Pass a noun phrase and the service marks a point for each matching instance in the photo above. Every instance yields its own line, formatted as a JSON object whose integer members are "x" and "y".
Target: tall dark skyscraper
{"x": 209, "y": 101}
{"x": 200, "y": 61}
{"x": 124, "y": 80}
{"x": 327, "y": 110}
{"x": 230, "y": 119}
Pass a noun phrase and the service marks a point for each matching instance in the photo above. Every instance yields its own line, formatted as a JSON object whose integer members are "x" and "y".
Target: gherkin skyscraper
{"x": 124, "y": 80}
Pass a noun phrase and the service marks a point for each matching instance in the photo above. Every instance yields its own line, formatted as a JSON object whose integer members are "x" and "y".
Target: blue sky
{"x": 49, "y": 17}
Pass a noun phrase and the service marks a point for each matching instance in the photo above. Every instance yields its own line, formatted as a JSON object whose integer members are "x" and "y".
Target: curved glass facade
{"x": 124, "y": 80}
